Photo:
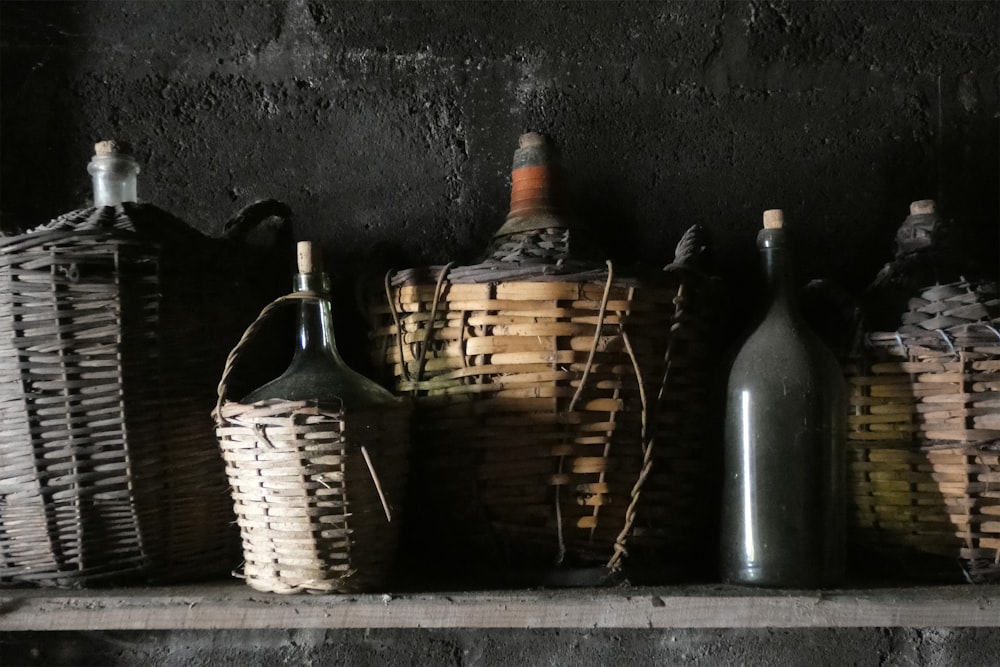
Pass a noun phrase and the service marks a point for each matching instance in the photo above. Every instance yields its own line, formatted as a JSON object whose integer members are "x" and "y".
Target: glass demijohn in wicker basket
{"x": 332, "y": 441}
{"x": 560, "y": 406}
{"x": 110, "y": 323}
{"x": 924, "y": 436}
{"x": 783, "y": 494}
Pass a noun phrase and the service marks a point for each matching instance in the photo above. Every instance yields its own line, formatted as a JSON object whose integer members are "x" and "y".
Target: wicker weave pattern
{"x": 308, "y": 505}
{"x": 63, "y": 370}
{"x": 537, "y": 412}
{"x": 313, "y": 485}
{"x": 925, "y": 430}
{"x": 108, "y": 468}
{"x": 547, "y": 244}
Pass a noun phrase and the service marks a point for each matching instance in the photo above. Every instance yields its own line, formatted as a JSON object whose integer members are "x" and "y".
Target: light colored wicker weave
{"x": 925, "y": 430}
{"x": 556, "y": 413}
{"x": 110, "y": 338}
{"x": 317, "y": 488}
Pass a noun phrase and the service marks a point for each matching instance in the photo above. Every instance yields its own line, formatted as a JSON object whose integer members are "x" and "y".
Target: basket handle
{"x": 250, "y": 217}
{"x": 248, "y": 335}
{"x": 237, "y": 352}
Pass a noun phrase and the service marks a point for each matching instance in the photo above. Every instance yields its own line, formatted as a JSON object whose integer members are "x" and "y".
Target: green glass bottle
{"x": 783, "y": 492}
{"x": 317, "y": 372}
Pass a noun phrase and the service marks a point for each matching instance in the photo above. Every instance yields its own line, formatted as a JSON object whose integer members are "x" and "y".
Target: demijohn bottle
{"x": 783, "y": 493}
{"x": 317, "y": 370}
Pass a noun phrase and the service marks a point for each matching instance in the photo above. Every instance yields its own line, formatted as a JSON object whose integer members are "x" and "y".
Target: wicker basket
{"x": 314, "y": 487}
{"x": 924, "y": 431}
{"x": 559, "y": 416}
{"x": 111, "y": 333}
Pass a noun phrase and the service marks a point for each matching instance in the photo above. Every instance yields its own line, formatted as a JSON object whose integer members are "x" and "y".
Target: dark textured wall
{"x": 396, "y": 122}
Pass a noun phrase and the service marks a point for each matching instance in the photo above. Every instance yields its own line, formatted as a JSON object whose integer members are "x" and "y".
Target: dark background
{"x": 396, "y": 122}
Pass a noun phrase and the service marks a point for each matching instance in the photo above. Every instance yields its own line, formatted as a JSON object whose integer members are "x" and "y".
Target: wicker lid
{"x": 944, "y": 307}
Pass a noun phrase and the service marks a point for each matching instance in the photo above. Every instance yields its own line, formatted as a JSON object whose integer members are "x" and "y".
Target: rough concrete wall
{"x": 863, "y": 647}
{"x": 396, "y": 122}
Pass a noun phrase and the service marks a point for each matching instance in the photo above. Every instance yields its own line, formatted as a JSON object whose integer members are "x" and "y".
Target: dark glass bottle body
{"x": 317, "y": 372}
{"x": 783, "y": 494}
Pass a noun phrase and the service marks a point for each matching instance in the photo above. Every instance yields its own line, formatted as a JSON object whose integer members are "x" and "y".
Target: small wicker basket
{"x": 316, "y": 487}
{"x": 110, "y": 340}
{"x": 924, "y": 432}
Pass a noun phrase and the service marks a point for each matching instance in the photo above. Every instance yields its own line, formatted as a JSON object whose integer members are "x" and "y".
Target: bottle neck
{"x": 114, "y": 179}
{"x": 916, "y": 233}
{"x": 776, "y": 262}
{"x": 535, "y": 186}
{"x": 314, "y": 335}
{"x": 533, "y": 190}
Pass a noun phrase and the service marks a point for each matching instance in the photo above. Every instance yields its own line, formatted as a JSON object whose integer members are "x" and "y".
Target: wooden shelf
{"x": 232, "y": 605}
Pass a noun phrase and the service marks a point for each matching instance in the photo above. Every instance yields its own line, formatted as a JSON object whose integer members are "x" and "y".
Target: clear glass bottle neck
{"x": 114, "y": 179}
{"x": 314, "y": 331}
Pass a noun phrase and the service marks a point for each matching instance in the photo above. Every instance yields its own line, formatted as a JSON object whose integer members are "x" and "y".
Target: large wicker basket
{"x": 560, "y": 417}
{"x": 111, "y": 337}
{"x": 317, "y": 488}
{"x": 924, "y": 431}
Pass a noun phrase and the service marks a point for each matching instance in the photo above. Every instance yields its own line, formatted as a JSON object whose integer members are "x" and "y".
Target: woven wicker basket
{"x": 924, "y": 431}
{"x": 559, "y": 416}
{"x": 317, "y": 488}
{"x": 111, "y": 332}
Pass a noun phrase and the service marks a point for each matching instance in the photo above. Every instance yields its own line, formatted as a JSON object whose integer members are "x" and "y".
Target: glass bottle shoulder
{"x": 323, "y": 378}
{"x": 783, "y": 348}
{"x": 316, "y": 371}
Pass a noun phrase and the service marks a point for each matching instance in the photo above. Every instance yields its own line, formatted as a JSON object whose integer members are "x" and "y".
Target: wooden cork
{"x": 774, "y": 218}
{"x": 306, "y": 256}
{"x": 923, "y": 206}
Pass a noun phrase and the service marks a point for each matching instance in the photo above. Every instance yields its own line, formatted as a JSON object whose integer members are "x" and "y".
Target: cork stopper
{"x": 306, "y": 256}
{"x": 774, "y": 218}
{"x": 531, "y": 139}
{"x": 112, "y": 147}
{"x": 923, "y": 207}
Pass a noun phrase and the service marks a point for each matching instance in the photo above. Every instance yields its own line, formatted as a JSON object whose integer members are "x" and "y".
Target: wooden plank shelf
{"x": 235, "y": 606}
